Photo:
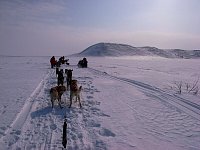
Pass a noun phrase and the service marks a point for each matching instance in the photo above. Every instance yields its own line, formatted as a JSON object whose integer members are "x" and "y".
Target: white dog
{"x": 75, "y": 91}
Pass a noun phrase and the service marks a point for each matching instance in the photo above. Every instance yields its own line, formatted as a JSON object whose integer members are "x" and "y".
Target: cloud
{"x": 18, "y": 12}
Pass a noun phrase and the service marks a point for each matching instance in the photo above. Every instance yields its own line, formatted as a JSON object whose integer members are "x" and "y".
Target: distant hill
{"x": 113, "y": 49}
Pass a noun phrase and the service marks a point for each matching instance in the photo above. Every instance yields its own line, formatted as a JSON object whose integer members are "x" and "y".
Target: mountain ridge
{"x": 116, "y": 50}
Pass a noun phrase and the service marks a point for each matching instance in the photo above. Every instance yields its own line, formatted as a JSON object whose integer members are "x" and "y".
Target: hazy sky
{"x": 62, "y": 27}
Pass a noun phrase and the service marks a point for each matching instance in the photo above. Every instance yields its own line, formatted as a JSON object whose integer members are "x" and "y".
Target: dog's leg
{"x": 70, "y": 100}
{"x": 76, "y": 98}
{"x": 70, "y": 82}
{"x": 79, "y": 93}
{"x": 58, "y": 82}
{"x": 62, "y": 81}
{"x": 67, "y": 84}
{"x": 52, "y": 102}
{"x": 79, "y": 99}
{"x": 59, "y": 101}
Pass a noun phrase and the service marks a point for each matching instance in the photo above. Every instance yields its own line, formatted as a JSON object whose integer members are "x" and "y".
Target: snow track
{"x": 160, "y": 115}
{"x": 187, "y": 106}
{"x": 13, "y": 132}
{"x": 30, "y": 129}
{"x": 38, "y": 126}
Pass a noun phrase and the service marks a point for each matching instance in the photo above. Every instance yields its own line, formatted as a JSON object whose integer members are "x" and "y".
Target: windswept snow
{"x": 128, "y": 103}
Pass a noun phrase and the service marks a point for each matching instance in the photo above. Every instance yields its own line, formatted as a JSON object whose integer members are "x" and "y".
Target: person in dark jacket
{"x": 85, "y": 62}
{"x": 53, "y": 61}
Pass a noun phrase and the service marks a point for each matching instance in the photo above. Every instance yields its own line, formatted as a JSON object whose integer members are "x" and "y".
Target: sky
{"x": 64, "y": 27}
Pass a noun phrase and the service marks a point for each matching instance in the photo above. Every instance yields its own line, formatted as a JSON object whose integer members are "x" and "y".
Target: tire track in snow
{"x": 189, "y": 107}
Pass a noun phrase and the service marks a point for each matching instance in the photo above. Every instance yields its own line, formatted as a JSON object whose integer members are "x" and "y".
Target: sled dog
{"x": 69, "y": 77}
{"x": 60, "y": 77}
{"x": 56, "y": 93}
{"x": 57, "y": 71}
{"x": 75, "y": 91}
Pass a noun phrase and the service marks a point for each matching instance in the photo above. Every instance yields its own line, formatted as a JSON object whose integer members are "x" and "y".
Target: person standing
{"x": 53, "y": 61}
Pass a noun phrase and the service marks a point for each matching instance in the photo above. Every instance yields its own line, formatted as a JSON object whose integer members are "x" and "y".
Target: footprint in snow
{"x": 106, "y": 132}
{"x": 92, "y": 123}
{"x": 53, "y": 126}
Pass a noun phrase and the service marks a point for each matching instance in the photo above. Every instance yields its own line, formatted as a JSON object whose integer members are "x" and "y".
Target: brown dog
{"x": 75, "y": 92}
{"x": 56, "y": 93}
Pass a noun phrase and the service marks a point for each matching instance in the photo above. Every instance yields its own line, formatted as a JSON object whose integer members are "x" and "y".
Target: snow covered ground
{"x": 129, "y": 103}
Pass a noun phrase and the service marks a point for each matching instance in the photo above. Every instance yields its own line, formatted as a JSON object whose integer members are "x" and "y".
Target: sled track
{"x": 187, "y": 106}
{"x": 22, "y": 116}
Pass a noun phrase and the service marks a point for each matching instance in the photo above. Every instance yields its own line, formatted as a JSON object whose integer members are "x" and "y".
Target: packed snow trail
{"x": 38, "y": 126}
{"x": 117, "y": 113}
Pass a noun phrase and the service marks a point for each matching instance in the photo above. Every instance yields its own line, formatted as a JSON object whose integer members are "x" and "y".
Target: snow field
{"x": 126, "y": 105}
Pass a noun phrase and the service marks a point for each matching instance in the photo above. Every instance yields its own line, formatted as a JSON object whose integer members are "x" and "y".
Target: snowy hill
{"x": 112, "y": 49}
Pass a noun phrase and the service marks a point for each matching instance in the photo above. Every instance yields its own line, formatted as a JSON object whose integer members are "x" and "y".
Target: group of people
{"x": 61, "y": 60}
{"x": 54, "y": 63}
{"x": 83, "y": 63}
